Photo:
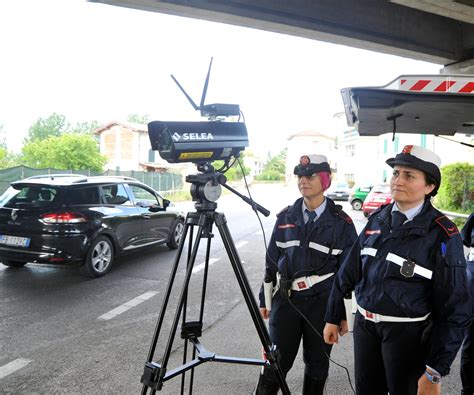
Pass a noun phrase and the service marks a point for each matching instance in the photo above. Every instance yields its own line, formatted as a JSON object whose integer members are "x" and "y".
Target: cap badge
{"x": 407, "y": 149}
{"x": 304, "y": 160}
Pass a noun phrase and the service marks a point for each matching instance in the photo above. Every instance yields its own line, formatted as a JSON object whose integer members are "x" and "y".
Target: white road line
{"x": 13, "y": 366}
{"x": 241, "y": 244}
{"x": 200, "y": 267}
{"x": 127, "y": 306}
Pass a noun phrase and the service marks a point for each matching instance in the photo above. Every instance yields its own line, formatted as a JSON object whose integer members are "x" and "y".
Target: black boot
{"x": 313, "y": 386}
{"x": 266, "y": 386}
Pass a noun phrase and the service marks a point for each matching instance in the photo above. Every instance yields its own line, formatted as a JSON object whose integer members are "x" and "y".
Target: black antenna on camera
{"x": 211, "y": 111}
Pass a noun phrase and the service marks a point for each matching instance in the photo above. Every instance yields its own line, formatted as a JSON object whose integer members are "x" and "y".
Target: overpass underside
{"x": 438, "y": 31}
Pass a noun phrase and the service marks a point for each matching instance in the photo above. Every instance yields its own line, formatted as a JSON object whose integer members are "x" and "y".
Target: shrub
{"x": 457, "y": 188}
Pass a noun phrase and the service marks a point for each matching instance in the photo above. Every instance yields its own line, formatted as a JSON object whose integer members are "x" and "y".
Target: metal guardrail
{"x": 455, "y": 215}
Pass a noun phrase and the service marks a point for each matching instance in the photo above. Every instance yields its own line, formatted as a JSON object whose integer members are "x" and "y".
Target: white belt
{"x": 420, "y": 270}
{"x": 302, "y": 283}
{"x": 324, "y": 249}
{"x": 374, "y": 317}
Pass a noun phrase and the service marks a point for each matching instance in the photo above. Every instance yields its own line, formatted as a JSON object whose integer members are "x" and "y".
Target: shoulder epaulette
{"x": 345, "y": 217}
{"x": 447, "y": 225}
{"x": 283, "y": 210}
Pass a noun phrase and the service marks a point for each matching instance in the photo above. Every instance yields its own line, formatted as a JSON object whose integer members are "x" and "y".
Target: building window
{"x": 151, "y": 156}
{"x": 350, "y": 150}
{"x": 396, "y": 143}
{"x": 385, "y": 146}
{"x": 349, "y": 177}
{"x": 423, "y": 141}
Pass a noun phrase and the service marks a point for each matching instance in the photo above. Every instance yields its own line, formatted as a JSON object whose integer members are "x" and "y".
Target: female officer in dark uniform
{"x": 309, "y": 241}
{"x": 409, "y": 276}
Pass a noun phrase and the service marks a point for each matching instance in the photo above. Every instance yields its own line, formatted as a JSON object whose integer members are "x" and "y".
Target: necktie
{"x": 398, "y": 218}
{"x": 311, "y": 216}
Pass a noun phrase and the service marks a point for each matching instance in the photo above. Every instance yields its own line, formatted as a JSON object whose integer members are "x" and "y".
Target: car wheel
{"x": 356, "y": 204}
{"x": 13, "y": 263}
{"x": 99, "y": 258}
{"x": 176, "y": 234}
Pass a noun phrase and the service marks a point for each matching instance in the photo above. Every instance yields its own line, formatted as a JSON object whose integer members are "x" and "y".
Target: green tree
{"x": 457, "y": 188}
{"x": 138, "y": 118}
{"x": 53, "y": 126}
{"x": 275, "y": 167}
{"x": 68, "y": 151}
{"x": 3, "y": 137}
{"x": 8, "y": 159}
{"x": 235, "y": 172}
{"x": 85, "y": 127}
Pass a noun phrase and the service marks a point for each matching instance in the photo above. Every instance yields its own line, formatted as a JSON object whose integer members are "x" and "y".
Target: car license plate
{"x": 339, "y": 194}
{"x": 14, "y": 241}
{"x": 380, "y": 200}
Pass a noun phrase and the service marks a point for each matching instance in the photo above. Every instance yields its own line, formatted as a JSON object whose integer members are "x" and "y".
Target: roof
{"x": 310, "y": 133}
{"x": 72, "y": 180}
{"x": 133, "y": 126}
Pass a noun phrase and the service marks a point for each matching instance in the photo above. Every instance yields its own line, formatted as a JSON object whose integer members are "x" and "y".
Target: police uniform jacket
{"x": 434, "y": 282}
{"x": 295, "y": 253}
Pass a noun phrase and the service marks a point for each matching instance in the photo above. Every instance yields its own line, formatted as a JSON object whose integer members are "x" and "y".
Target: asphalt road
{"x": 62, "y": 333}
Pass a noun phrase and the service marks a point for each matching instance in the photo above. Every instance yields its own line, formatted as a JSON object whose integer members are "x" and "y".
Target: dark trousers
{"x": 467, "y": 363}
{"x": 287, "y": 328}
{"x": 389, "y": 357}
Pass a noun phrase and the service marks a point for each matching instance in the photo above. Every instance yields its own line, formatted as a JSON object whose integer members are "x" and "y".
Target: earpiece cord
{"x": 323, "y": 343}
{"x": 289, "y": 300}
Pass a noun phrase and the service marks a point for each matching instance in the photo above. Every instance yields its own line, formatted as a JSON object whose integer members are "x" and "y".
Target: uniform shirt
{"x": 294, "y": 252}
{"x": 411, "y": 213}
{"x": 318, "y": 210}
{"x": 433, "y": 243}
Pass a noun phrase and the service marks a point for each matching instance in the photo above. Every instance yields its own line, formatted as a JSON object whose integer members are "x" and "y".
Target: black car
{"x": 80, "y": 220}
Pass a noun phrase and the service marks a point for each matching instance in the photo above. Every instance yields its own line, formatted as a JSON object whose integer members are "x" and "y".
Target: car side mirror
{"x": 166, "y": 203}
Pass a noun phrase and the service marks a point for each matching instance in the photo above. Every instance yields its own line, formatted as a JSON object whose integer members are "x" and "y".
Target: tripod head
{"x": 206, "y": 189}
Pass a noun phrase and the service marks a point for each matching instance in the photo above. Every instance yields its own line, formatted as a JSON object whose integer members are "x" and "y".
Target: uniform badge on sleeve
{"x": 447, "y": 225}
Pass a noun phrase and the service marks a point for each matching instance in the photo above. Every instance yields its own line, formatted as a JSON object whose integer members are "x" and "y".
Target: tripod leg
{"x": 208, "y": 234}
{"x": 185, "y": 345}
{"x": 190, "y": 221}
{"x": 249, "y": 299}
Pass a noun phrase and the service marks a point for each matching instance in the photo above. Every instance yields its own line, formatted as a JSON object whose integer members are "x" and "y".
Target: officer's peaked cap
{"x": 419, "y": 158}
{"x": 310, "y": 164}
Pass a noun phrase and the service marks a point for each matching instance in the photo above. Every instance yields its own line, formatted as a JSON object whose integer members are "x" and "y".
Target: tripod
{"x": 205, "y": 187}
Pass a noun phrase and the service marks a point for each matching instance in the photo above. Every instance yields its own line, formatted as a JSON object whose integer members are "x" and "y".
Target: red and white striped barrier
{"x": 434, "y": 84}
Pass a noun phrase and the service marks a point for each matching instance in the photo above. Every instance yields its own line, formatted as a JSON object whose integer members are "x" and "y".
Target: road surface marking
{"x": 241, "y": 244}
{"x": 13, "y": 366}
{"x": 200, "y": 267}
{"x": 127, "y": 306}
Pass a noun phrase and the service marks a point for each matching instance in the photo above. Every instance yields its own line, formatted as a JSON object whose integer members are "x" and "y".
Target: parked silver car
{"x": 338, "y": 191}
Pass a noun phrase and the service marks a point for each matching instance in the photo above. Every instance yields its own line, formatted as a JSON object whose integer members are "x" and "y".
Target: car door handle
{"x": 146, "y": 216}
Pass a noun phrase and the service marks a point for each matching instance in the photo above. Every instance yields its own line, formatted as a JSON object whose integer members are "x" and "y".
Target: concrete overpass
{"x": 438, "y": 31}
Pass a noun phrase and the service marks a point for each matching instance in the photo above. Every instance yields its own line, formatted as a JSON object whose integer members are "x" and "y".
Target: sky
{"x": 91, "y": 61}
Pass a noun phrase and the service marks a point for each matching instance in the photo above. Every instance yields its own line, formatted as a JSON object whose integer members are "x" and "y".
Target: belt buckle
{"x": 302, "y": 284}
{"x": 372, "y": 316}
